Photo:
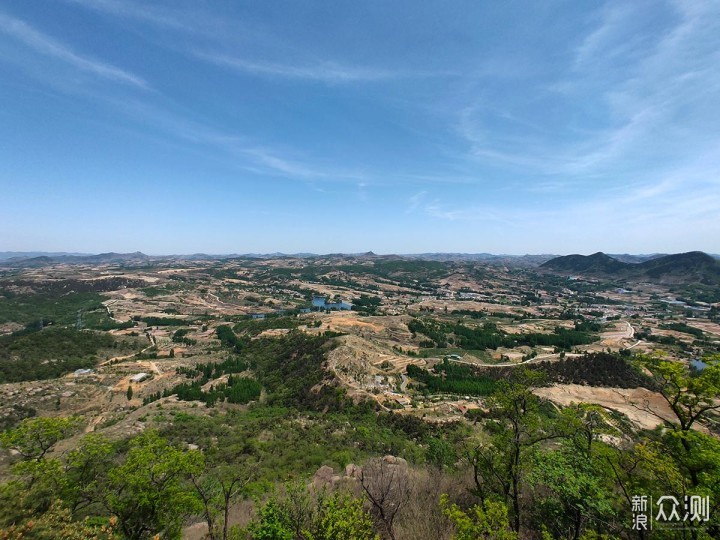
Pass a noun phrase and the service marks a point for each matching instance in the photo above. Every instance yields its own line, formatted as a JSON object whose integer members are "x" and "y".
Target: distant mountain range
{"x": 32, "y": 260}
{"x": 16, "y": 259}
{"x": 526, "y": 260}
{"x": 596, "y": 264}
{"x": 694, "y": 266}
{"x": 4, "y": 255}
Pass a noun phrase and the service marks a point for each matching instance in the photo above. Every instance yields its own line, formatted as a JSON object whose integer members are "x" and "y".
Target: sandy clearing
{"x": 622, "y": 330}
{"x": 272, "y": 332}
{"x": 352, "y": 322}
{"x": 640, "y": 405}
{"x": 142, "y": 367}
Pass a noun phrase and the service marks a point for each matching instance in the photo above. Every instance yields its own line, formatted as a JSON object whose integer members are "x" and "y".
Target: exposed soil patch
{"x": 644, "y": 408}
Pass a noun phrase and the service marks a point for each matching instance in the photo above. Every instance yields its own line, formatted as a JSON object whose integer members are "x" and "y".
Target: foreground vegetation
{"x": 523, "y": 470}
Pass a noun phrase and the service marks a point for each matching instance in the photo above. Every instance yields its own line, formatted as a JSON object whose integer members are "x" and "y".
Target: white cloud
{"x": 200, "y": 24}
{"x": 323, "y": 71}
{"x": 126, "y": 9}
{"x": 415, "y": 201}
{"x": 660, "y": 214}
{"x": 243, "y": 151}
{"x": 48, "y": 46}
{"x": 609, "y": 39}
{"x": 654, "y": 94}
{"x": 494, "y": 215}
{"x": 296, "y": 168}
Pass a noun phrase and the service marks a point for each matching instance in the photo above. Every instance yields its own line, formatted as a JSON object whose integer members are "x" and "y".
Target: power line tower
{"x": 79, "y": 323}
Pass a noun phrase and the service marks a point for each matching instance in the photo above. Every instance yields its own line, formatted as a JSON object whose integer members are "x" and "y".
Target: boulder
{"x": 352, "y": 471}
{"x": 393, "y": 460}
{"x": 323, "y": 477}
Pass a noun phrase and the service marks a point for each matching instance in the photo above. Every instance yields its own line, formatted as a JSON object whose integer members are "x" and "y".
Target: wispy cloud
{"x": 631, "y": 102}
{"x": 48, "y": 46}
{"x": 242, "y": 151}
{"x": 143, "y": 12}
{"x": 415, "y": 201}
{"x": 322, "y": 71}
{"x": 273, "y": 161}
{"x": 661, "y": 214}
{"x": 193, "y": 20}
{"x": 424, "y": 178}
{"x": 200, "y": 24}
{"x": 669, "y": 92}
{"x": 491, "y": 215}
{"x": 131, "y": 10}
{"x": 609, "y": 38}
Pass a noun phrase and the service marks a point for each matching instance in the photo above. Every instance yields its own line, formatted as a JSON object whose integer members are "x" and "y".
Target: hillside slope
{"x": 691, "y": 267}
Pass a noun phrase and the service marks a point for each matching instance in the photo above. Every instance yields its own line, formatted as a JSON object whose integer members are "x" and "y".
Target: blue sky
{"x": 345, "y": 126}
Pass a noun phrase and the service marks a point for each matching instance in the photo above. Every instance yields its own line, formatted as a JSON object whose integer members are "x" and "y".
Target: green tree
{"x": 272, "y": 523}
{"x": 37, "y": 480}
{"x": 149, "y": 492}
{"x": 501, "y": 466}
{"x": 571, "y": 492}
{"x": 218, "y": 487}
{"x": 129, "y": 392}
{"x": 439, "y": 453}
{"x": 677, "y": 460}
{"x": 303, "y": 515}
{"x": 341, "y": 516}
{"x": 691, "y": 397}
{"x": 488, "y": 520}
{"x": 32, "y": 490}
{"x": 584, "y": 423}
{"x": 573, "y": 484}
{"x": 34, "y": 437}
{"x": 86, "y": 471}
{"x": 58, "y": 522}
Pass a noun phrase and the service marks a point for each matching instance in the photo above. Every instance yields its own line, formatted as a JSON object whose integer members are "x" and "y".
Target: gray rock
{"x": 323, "y": 477}
{"x": 352, "y": 471}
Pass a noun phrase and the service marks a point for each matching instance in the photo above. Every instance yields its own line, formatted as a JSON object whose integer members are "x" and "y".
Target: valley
{"x": 146, "y": 345}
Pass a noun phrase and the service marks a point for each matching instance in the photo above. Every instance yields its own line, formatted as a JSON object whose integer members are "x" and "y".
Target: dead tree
{"x": 386, "y": 484}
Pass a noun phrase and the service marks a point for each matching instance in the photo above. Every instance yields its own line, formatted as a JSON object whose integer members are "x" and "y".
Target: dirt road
{"x": 118, "y": 358}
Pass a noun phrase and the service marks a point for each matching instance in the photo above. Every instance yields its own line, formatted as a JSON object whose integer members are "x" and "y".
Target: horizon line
{"x": 39, "y": 253}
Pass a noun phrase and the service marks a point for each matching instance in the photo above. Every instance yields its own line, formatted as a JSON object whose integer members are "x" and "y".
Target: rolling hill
{"x": 691, "y": 267}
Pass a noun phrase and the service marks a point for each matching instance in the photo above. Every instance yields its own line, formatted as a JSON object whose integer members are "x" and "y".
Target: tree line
{"x": 489, "y": 336}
